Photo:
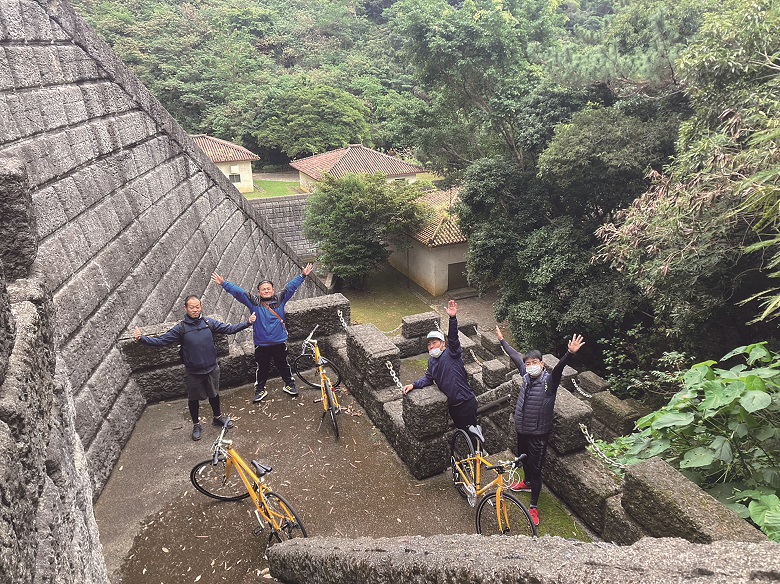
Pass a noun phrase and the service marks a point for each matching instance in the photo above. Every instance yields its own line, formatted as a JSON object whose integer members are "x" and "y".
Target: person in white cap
{"x": 445, "y": 367}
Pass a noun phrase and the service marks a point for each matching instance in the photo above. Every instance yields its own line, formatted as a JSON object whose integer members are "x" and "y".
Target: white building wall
{"x": 428, "y": 267}
{"x": 244, "y": 170}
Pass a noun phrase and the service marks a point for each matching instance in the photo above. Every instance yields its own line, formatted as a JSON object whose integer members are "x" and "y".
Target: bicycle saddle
{"x": 477, "y": 431}
{"x": 260, "y": 468}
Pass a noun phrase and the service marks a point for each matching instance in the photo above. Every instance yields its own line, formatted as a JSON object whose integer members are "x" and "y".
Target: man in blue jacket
{"x": 270, "y": 332}
{"x": 446, "y": 368}
{"x": 534, "y": 413}
{"x": 198, "y": 352}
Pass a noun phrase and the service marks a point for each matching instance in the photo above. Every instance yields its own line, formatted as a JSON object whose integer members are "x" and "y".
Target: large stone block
{"x": 370, "y": 350}
{"x": 490, "y": 342}
{"x": 470, "y": 558}
{"x": 688, "y": 511}
{"x": 591, "y": 383}
{"x": 550, "y": 361}
{"x": 568, "y": 414}
{"x": 494, "y": 373}
{"x": 301, "y": 316}
{"x": 425, "y": 412}
{"x": 410, "y": 347}
{"x": 584, "y": 483}
{"x": 468, "y": 345}
{"x": 374, "y": 401}
{"x": 18, "y": 237}
{"x": 619, "y": 528}
{"x": 618, "y": 415}
{"x": 423, "y": 458}
{"x": 419, "y": 325}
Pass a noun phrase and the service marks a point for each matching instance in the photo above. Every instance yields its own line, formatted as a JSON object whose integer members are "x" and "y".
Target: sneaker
{"x": 197, "y": 431}
{"x": 290, "y": 390}
{"x": 221, "y": 421}
{"x": 259, "y": 394}
{"x": 520, "y": 486}
{"x": 534, "y": 513}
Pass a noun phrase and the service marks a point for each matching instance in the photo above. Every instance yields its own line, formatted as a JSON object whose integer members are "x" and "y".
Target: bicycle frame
{"x": 255, "y": 486}
{"x": 311, "y": 344}
{"x": 477, "y": 461}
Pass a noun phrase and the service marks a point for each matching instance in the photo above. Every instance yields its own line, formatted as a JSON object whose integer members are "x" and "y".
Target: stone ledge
{"x": 544, "y": 560}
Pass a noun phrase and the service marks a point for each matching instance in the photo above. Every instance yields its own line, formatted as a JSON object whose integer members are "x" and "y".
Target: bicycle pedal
{"x": 257, "y": 531}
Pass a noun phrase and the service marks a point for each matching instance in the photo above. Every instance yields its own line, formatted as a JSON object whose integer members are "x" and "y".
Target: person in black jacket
{"x": 534, "y": 413}
{"x": 445, "y": 367}
{"x": 195, "y": 334}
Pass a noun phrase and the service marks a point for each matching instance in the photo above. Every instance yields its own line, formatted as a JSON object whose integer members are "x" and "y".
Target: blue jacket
{"x": 196, "y": 337}
{"x": 268, "y": 329}
{"x": 448, "y": 370}
{"x": 536, "y": 400}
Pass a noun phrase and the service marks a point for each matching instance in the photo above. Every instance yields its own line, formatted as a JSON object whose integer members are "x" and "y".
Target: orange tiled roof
{"x": 221, "y": 150}
{"x": 354, "y": 159}
{"x": 443, "y": 228}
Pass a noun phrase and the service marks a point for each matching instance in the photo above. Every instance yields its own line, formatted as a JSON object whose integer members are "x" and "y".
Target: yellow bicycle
{"x": 499, "y": 512}
{"x": 227, "y": 477}
{"x": 317, "y": 371}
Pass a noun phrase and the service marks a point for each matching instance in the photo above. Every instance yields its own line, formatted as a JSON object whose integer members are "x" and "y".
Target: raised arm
{"x": 574, "y": 345}
{"x": 222, "y": 328}
{"x": 516, "y": 357}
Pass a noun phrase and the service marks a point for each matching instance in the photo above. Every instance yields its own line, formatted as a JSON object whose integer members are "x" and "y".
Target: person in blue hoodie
{"x": 534, "y": 412}
{"x": 446, "y": 368}
{"x": 195, "y": 335}
{"x": 270, "y": 332}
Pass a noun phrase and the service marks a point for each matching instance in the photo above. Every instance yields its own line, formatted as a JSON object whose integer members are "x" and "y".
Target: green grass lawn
{"x": 265, "y": 189}
{"x": 385, "y": 299}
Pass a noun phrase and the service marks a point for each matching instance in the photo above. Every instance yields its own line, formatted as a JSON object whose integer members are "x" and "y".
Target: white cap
{"x": 436, "y": 335}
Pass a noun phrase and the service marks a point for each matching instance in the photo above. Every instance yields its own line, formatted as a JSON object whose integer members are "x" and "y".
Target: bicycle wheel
{"x": 285, "y": 516}
{"x": 462, "y": 469}
{"x": 211, "y": 480}
{"x": 306, "y": 370}
{"x": 332, "y": 409}
{"x": 515, "y": 519}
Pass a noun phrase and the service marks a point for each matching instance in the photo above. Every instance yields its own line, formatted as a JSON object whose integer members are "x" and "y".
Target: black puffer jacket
{"x": 536, "y": 400}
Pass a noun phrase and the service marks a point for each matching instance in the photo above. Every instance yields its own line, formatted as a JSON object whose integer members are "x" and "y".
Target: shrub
{"x": 722, "y": 430}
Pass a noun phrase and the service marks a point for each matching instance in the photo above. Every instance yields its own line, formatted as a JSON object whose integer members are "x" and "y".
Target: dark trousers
{"x": 263, "y": 357}
{"x": 535, "y": 449}
{"x": 464, "y": 414}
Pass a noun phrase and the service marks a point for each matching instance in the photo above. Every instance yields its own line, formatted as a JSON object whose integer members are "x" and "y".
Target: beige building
{"x": 354, "y": 159}
{"x": 233, "y": 160}
{"x": 436, "y": 259}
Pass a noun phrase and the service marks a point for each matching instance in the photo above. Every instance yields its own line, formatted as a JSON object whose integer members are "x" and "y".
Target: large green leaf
{"x": 656, "y": 447}
{"x": 754, "y": 401}
{"x": 722, "y": 449}
{"x": 673, "y": 419}
{"x": 717, "y": 395}
{"x": 766, "y": 505}
{"x": 697, "y": 458}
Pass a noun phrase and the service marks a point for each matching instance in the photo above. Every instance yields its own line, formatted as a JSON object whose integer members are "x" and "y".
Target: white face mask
{"x": 435, "y": 353}
{"x": 534, "y": 370}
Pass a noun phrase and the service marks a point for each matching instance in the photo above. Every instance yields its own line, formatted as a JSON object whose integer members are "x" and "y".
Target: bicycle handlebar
{"x": 503, "y": 465}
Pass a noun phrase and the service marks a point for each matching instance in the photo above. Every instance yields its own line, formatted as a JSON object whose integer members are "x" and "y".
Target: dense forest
{"x": 619, "y": 164}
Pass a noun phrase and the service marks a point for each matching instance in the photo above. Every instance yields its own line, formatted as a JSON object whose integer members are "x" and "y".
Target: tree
{"x": 305, "y": 120}
{"x": 683, "y": 241}
{"x": 474, "y": 57}
{"x": 355, "y": 219}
